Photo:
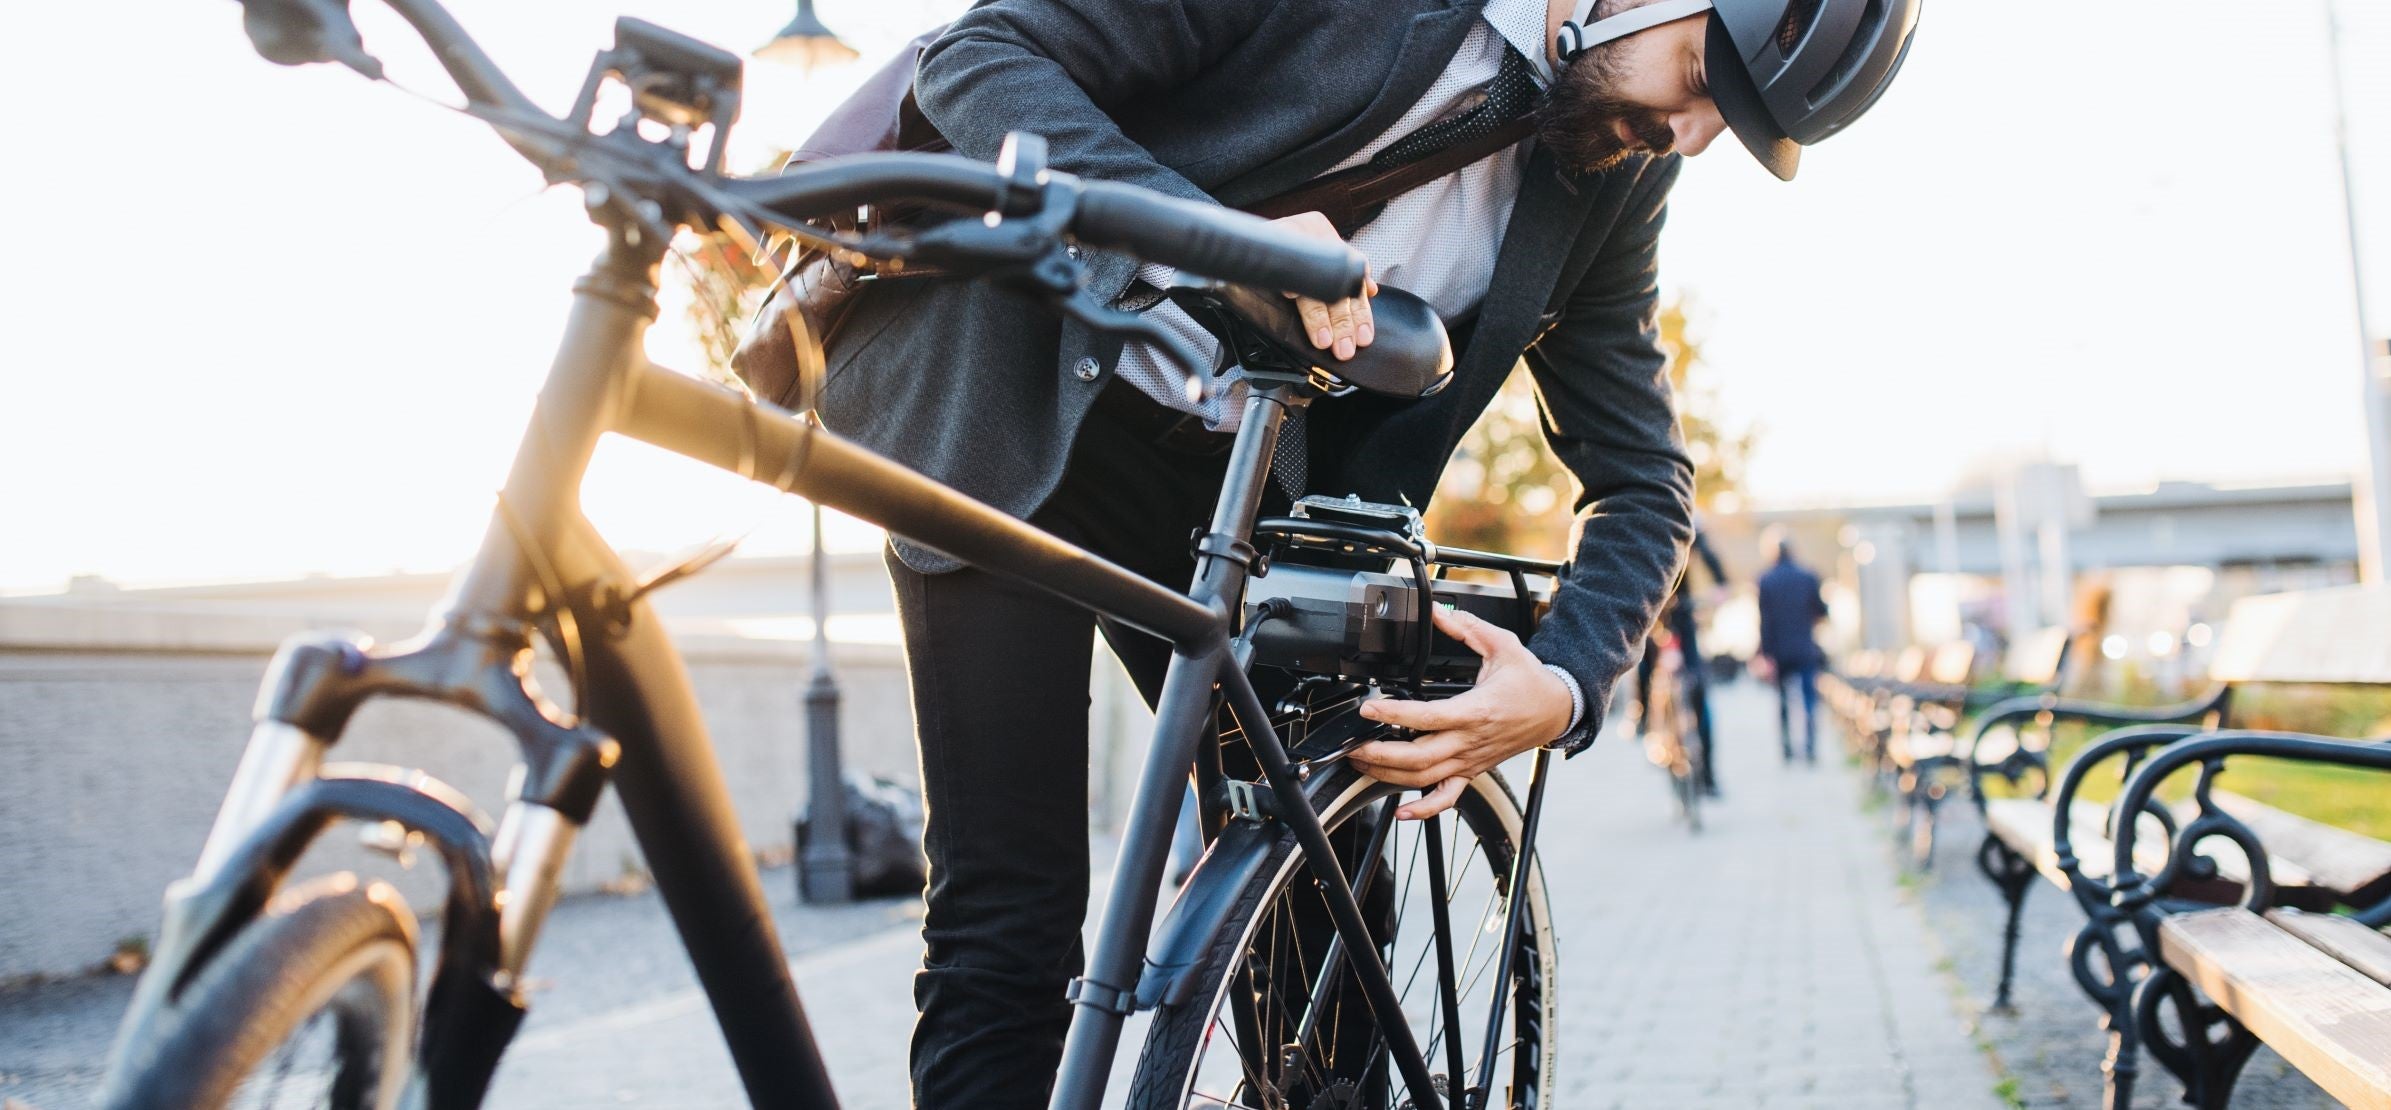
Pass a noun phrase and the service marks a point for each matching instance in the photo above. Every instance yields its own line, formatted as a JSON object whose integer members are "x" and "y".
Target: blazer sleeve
{"x": 1602, "y": 385}
{"x": 1055, "y": 67}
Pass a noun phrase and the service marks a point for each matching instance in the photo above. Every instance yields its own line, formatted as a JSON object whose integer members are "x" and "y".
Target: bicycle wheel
{"x": 1249, "y": 1036}
{"x": 312, "y": 1005}
{"x": 1689, "y": 787}
{"x": 1689, "y": 746}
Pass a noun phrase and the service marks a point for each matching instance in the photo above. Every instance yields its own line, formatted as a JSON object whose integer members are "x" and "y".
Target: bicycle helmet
{"x": 1784, "y": 73}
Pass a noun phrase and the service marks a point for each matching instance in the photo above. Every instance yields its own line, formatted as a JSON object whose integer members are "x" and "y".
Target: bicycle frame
{"x": 543, "y": 570}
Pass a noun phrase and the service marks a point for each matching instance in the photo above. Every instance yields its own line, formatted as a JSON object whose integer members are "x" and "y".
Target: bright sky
{"x": 268, "y": 321}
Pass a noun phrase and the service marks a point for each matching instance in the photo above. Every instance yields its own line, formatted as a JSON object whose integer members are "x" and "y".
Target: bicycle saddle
{"x": 1408, "y": 357}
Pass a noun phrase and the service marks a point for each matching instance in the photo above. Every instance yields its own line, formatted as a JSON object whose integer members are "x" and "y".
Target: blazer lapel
{"x": 1428, "y": 47}
{"x": 1546, "y": 221}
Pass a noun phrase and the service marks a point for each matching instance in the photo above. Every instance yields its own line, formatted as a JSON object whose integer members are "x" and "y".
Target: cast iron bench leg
{"x": 2015, "y": 877}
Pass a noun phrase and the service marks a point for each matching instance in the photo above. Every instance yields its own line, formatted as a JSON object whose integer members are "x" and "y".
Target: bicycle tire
{"x": 1167, "y": 1068}
{"x": 1689, "y": 787}
{"x": 333, "y": 946}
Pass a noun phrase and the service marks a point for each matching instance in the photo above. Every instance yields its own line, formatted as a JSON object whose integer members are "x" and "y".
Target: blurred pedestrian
{"x": 1790, "y": 608}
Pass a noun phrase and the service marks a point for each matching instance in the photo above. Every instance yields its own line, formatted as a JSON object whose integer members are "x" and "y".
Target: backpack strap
{"x": 1353, "y": 197}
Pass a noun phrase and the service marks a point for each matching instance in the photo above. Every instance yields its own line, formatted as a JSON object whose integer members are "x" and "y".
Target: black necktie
{"x": 1510, "y": 96}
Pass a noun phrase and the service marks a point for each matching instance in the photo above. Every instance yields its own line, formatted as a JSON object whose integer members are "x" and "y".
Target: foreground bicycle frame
{"x": 543, "y": 572}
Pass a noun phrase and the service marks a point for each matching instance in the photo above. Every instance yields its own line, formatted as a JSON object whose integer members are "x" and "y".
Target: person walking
{"x": 1791, "y": 605}
{"x": 1546, "y": 250}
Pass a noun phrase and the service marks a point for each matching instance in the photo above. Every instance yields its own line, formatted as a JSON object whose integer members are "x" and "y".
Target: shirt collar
{"x": 1521, "y": 23}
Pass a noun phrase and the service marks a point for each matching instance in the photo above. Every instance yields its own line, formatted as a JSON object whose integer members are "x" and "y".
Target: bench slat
{"x": 2329, "y": 1021}
{"x": 2024, "y": 824}
{"x": 2321, "y": 636}
{"x": 2035, "y": 659}
{"x": 2354, "y": 865}
{"x": 2365, "y": 951}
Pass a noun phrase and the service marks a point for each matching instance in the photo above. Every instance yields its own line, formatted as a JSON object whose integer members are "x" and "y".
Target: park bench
{"x": 1923, "y": 754}
{"x": 2153, "y": 884}
{"x": 1875, "y": 698}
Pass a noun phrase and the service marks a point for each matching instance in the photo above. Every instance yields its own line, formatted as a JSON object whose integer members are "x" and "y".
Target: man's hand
{"x": 1338, "y": 328}
{"x": 1516, "y": 705}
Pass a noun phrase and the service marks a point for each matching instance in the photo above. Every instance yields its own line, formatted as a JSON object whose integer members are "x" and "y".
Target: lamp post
{"x": 806, "y": 43}
{"x": 2374, "y": 492}
{"x": 825, "y": 868}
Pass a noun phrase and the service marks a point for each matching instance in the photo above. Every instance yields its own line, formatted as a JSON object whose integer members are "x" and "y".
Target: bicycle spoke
{"x": 1293, "y": 1019}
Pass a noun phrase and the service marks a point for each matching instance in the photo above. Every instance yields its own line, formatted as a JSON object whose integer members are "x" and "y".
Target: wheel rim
{"x": 1280, "y": 1053}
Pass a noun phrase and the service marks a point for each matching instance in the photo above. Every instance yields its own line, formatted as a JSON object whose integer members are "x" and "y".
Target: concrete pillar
{"x": 1879, "y": 551}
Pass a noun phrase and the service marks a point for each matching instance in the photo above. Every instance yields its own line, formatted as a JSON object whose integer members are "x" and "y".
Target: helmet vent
{"x": 1872, "y": 22}
{"x": 1799, "y": 16}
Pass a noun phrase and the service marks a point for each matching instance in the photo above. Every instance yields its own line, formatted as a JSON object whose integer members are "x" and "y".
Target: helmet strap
{"x": 1584, "y": 32}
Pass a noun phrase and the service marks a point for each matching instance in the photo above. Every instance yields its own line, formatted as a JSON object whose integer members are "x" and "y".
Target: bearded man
{"x": 1544, "y": 250}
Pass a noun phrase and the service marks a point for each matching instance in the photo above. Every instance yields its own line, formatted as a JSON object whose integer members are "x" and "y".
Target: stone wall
{"x": 120, "y": 727}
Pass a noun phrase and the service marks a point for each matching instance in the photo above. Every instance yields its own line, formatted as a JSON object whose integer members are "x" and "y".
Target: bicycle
{"x": 1669, "y": 722}
{"x": 1271, "y": 978}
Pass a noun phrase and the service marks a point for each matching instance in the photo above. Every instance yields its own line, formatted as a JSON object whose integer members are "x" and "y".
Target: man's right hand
{"x": 1342, "y": 327}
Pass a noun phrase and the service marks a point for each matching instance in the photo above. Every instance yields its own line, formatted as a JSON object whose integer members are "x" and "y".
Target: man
{"x": 1546, "y": 250}
{"x": 1682, "y": 625}
{"x": 1790, "y": 607}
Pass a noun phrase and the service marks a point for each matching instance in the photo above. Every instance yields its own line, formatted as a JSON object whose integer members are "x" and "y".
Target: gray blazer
{"x": 1236, "y": 101}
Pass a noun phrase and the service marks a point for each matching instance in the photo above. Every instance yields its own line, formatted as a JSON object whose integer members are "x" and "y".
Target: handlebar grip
{"x": 1216, "y": 242}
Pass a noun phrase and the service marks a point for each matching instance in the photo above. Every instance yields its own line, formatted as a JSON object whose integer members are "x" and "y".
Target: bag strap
{"x": 1353, "y": 197}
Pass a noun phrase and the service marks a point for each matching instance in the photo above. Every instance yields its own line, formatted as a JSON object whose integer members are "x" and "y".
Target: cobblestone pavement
{"x": 1770, "y": 960}
{"x": 2051, "y": 1044}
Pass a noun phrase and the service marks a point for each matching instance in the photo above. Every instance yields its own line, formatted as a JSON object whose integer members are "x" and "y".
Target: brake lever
{"x": 1030, "y": 253}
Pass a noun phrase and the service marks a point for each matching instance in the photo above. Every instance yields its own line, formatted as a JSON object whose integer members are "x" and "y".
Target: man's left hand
{"x": 1516, "y": 705}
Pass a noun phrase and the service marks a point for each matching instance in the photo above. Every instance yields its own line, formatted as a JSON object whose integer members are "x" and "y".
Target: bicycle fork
{"x": 283, "y": 795}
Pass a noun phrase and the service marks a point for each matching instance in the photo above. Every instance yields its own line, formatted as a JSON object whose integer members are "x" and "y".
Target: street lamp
{"x": 2374, "y": 490}
{"x": 825, "y": 867}
{"x": 806, "y": 43}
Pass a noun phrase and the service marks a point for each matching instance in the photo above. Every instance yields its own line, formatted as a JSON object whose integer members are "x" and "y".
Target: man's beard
{"x": 1576, "y": 119}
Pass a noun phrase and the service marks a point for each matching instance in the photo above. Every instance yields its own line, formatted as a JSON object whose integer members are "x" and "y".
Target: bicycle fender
{"x": 201, "y": 914}
{"x": 1175, "y": 957}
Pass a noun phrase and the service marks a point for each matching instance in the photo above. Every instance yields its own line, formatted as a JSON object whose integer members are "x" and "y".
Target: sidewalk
{"x": 1768, "y": 961}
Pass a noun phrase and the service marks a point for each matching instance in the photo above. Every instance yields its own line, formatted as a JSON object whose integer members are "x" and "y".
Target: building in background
{"x": 2148, "y": 570}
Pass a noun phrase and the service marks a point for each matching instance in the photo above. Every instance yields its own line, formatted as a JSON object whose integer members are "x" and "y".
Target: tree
{"x": 1504, "y": 491}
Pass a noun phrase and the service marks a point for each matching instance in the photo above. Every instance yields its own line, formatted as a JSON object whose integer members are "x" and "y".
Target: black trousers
{"x": 1000, "y": 699}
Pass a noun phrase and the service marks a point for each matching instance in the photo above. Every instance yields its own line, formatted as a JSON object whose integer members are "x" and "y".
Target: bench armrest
{"x": 2132, "y": 890}
{"x": 2016, "y": 763}
{"x": 2132, "y": 744}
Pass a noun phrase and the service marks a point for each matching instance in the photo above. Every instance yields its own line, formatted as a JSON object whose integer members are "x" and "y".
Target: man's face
{"x": 1646, "y": 93}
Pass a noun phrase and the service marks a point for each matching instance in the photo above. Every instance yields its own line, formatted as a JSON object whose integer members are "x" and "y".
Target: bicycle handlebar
{"x": 1198, "y": 238}
{"x": 1216, "y": 242}
{"x": 1201, "y": 239}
